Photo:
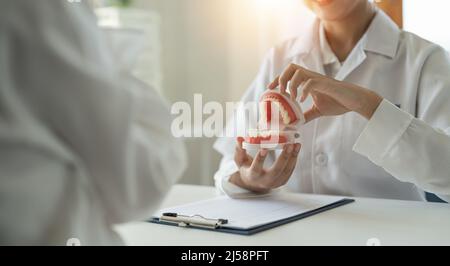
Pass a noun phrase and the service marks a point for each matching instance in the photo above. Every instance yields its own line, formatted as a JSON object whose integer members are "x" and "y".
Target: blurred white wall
{"x": 429, "y": 19}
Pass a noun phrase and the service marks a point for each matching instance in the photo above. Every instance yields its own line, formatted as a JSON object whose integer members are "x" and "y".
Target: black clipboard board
{"x": 221, "y": 227}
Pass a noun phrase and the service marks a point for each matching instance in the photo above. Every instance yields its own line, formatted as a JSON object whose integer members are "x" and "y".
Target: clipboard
{"x": 198, "y": 221}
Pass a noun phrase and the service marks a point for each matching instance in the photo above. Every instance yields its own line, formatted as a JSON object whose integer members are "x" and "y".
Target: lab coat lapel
{"x": 381, "y": 38}
{"x": 311, "y": 57}
{"x": 313, "y": 61}
{"x": 355, "y": 59}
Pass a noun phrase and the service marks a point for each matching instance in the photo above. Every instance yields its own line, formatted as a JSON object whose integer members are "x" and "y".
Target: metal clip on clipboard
{"x": 193, "y": 221}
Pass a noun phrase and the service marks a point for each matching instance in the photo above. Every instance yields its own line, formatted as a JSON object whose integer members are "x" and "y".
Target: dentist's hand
{"x": 254, "y": 177}
{"x": 331, "y": 97}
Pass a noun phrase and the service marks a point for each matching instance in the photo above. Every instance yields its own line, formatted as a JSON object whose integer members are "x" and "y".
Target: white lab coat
{"x": 83, "y": 144}
{"x": 399, "y": 152}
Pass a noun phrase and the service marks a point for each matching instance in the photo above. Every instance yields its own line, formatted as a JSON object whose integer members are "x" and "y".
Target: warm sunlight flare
{"x": 273, "y": 6}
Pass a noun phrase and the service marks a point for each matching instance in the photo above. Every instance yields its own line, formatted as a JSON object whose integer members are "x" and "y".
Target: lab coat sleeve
{"x": 117, "y": 128}
{"x": 415, "y": 150}
{"x": 226, "y": 145}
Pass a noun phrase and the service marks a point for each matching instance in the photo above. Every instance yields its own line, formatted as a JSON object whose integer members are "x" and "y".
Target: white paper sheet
{"x": 248, "y": 213}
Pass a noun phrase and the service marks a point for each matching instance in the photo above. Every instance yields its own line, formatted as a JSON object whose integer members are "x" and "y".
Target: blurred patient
{"x": 83, "y": 145}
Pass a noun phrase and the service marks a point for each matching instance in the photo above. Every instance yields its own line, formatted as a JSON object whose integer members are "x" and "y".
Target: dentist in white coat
{"x": 400, "y": 126}
{"x": 83, "y": 144}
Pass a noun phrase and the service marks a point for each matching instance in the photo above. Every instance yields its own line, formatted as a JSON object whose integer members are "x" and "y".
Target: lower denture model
{"x": 279, "y": 115}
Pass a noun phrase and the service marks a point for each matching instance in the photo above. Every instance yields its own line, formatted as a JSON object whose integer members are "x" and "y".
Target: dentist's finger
{"x": 274, "y": 84}
{"x": 279, "y": 165}
{"x": 258, "y": 162}
{"x": 240, "y": 154}
{"x": 296, "y": 81}
{"x": 290, "y": 167}
{"x": 308, "y": 87}
{"x": 286, "y": 76}
{"x": 311, "y": 114}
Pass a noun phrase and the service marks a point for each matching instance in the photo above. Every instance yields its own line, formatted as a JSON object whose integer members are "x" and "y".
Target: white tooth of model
{"x": 276, "y": 108}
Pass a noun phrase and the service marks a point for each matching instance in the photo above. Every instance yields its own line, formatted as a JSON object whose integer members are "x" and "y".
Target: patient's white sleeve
{"x": 63, "y": 79}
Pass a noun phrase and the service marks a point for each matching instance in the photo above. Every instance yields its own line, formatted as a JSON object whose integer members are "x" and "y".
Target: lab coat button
{"x": 322, "y": 159}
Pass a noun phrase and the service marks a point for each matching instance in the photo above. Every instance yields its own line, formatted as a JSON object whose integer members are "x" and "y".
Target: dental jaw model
{"x": 279, "y": 116}
{"x": 273, "y": 102}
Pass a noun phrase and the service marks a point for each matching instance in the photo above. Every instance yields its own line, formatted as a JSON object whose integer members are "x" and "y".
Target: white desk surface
{"x": 392, "y": 222}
